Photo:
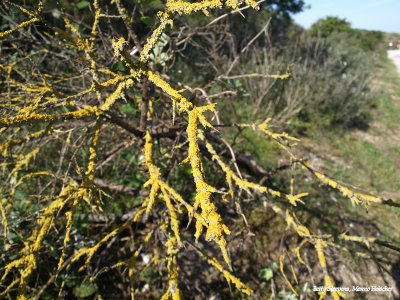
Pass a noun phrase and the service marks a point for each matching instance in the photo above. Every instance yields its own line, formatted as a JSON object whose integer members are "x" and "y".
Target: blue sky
{"x": 383, "y": 15}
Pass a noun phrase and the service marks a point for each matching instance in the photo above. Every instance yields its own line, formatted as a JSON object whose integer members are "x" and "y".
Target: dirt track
{"x": 395, "y": 56}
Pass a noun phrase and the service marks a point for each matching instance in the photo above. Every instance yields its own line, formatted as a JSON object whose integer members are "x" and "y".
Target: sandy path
{"x": 394, "y": 55}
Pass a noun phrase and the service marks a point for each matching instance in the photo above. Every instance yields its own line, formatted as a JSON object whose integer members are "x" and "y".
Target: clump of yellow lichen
{"x": 216, "y": 229}
{"x": 173, "y": 291}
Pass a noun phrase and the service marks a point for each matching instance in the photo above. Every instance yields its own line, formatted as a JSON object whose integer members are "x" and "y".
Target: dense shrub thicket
{"x": 330, "y": 68}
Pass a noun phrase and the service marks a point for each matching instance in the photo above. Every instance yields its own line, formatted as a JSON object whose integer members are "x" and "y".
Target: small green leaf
{"x": 119, "y": 66}
{"x": 3, "y": 27}
{"x": 83, "y": 4}
{"x": 128, "y": 109}
{"x": 149, "y": 21}
{"x": 85, "y": 290}
{"x": 266, "y": 274}
{"x": 150, "y": 4}
{"x": 163, "y": 41}
{"x": 156, "y": 4}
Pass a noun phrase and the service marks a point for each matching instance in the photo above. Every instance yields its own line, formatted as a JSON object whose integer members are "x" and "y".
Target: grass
{"x": 369, "y": 160}
{"x": 375, "y": 169}
{"x": 388, "y": 98}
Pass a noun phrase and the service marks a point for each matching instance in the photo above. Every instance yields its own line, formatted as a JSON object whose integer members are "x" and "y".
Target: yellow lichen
{"x": 329, "y": 284}
{"x": 26, "y": 264}
{"x": 24, "y": 161}
{"x": 19, "y": 26}
{"x": 4, "y": 221}
{"x": 216, "y": 229}
{"x": 319, "y": 247}
{"x": 365, "y": 240}
{"x": 165, "y": 20}
{"x": 173, "y": 291}
{"x": 228, "y": 276}
{"x": 182, "y": 102}
{"x": 281, "y": 268}
{"x": 356, "y": 198}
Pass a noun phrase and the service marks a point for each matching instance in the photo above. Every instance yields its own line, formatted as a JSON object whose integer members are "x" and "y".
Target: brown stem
{"x": 145, "y": 104}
